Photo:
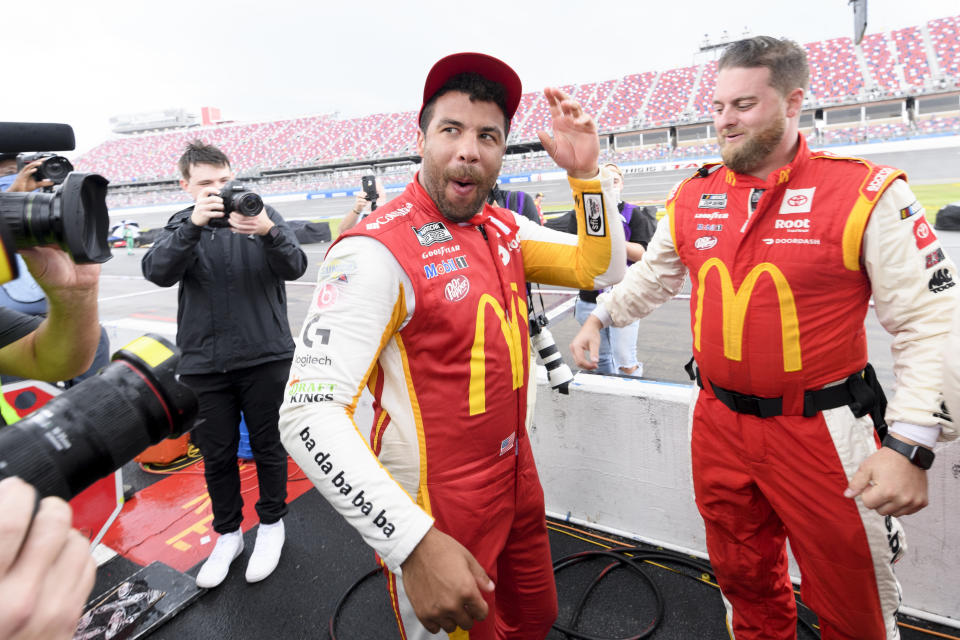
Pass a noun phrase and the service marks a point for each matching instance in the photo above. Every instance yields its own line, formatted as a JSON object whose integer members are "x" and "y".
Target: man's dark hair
{"x": 786, "y": 60}
{"x": 477, "y": 88}
{"x": 198, "y": 152}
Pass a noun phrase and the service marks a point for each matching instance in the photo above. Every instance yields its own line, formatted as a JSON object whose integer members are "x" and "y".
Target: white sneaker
{"x": 266, "y": 552}
{"x": 215, "y": 569}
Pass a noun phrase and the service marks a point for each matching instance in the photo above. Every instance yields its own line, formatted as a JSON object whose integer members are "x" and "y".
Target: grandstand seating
{"x": 945, "y": 34}
{"x": 834, "y": 73}
{"x": 881, "y": 62}
{"x": 625, "y": 101}
{"x": 541, "y": 162}
{"x": 703, "y": 101}
{"x": 670, "y": 96}
{"x": 896, "y": 63}
{"x": 916, "y": 69}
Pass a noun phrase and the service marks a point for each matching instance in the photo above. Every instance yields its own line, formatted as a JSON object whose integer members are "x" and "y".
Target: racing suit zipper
{"x": 493, "y": 248}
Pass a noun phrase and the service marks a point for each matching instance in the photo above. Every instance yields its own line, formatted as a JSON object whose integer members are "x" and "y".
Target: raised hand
{"x": 574, "y": 145}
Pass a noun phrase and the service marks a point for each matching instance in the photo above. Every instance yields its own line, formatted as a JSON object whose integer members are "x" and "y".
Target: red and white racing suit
{"x": 431, "y": 317}
{"x": 779, "y": 293}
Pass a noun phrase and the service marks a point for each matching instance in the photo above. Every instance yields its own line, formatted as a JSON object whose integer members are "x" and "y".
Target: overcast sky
{"x": 268, "y": 59}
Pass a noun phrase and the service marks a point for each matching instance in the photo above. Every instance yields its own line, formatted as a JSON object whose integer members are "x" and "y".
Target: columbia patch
{"x": 713, "y": 201}
{"x": 593, "y": 208}
{"x": 432, "y": 233}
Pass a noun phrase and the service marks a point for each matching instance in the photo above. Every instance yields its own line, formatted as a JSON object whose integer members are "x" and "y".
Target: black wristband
{"x": 920, "y": 456}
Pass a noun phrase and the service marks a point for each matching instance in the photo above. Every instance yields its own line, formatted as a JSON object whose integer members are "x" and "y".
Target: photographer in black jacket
{"x": 235, "y": 346}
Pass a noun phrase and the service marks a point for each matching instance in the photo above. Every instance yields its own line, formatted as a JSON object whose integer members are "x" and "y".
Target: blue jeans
{"x": 618, "y": 345}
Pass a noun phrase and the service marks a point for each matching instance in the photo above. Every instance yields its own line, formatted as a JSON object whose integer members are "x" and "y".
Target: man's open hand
{"x": 575, "y": 145}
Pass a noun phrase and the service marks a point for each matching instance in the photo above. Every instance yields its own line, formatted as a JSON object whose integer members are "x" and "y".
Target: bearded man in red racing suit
{"x": 784, "y": 248}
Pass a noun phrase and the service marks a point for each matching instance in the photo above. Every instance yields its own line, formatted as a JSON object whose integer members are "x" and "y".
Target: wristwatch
{"x": 920, "y": 456}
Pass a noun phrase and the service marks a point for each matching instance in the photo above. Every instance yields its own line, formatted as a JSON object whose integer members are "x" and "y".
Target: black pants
{"x": 258, "y": 392}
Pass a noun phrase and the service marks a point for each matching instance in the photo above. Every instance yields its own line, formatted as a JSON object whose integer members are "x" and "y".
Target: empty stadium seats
{"x": 905, "y": 61}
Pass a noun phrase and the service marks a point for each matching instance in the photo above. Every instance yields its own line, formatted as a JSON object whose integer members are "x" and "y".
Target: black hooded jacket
{"x": 232, "y": 302}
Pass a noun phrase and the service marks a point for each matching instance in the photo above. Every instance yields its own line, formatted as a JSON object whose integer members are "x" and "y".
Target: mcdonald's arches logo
{"x": 735, "y": 304}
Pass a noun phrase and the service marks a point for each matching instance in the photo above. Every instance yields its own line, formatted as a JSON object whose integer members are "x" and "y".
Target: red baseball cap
{"x": 487, "y": 66}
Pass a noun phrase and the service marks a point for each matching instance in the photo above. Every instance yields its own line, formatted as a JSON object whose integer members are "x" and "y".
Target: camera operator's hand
{"x": 25, "y": 180}
{"x": 356, "y": 213}
{"x": 46, "y": 571}
{"x": 64, "y": 344}
{"x": 258, "y": 225}
{"x": 208, "y": 205}
{"x": 585, "y": 346}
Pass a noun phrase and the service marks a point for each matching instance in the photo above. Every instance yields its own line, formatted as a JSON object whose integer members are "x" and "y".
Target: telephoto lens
{"x": 74, "y": 217}
{"x": 558, "y": 373}
{"x": 97, "y": 426}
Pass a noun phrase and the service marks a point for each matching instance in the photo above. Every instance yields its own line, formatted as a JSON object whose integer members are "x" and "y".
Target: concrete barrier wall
{"x": 615, "y": 454}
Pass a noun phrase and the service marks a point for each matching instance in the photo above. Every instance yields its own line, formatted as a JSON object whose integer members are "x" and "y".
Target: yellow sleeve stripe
{"x": 389, "y": 332}
{"x": 857, "y": 221}
{"x": 673, "y": 222}
{"x": 423, "y": 493}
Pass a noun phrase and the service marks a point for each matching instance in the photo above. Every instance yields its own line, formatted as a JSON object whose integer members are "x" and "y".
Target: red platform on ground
{"x": 171, "y": 520}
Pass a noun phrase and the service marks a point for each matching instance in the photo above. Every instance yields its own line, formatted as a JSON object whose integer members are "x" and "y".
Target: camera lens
{"x": 74, "y": 217}
{"x": 248, "y": 204}
{"x": 94, "y": 428}
{"x": 55, "y": 169}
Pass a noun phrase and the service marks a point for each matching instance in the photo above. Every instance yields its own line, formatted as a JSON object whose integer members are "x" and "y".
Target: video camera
{"x": 53, "y": 168}
{"x": 95, "y": 427}
{"x": 237, "y": 197}
{"x": 73, "y": 215}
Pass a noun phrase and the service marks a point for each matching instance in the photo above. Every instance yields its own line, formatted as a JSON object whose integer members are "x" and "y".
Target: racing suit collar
{"x": 500, "y": 218}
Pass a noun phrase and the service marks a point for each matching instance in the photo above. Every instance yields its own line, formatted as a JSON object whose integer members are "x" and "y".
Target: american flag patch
{"x": 507, "y": 445}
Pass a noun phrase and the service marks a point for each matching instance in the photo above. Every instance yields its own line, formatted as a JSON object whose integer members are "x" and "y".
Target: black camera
{"x": 237, "y": 197}
{"x": 97, "y": 426}
{"x": 53, "y": 168}
{"x": 72, "y": 215}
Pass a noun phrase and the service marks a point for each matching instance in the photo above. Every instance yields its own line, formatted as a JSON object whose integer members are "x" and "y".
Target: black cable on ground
{"x": 343, "y": 598}
{"x": 633, "y": 557}
{"x": 628, "y": 557}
